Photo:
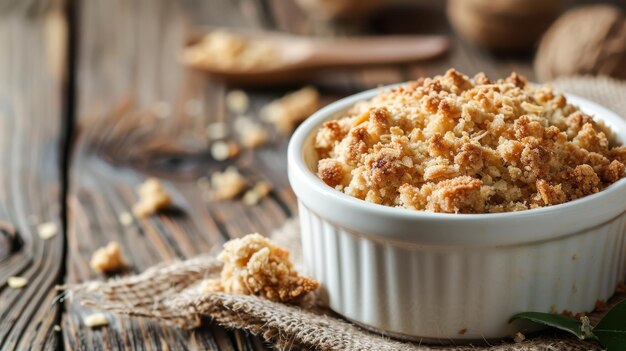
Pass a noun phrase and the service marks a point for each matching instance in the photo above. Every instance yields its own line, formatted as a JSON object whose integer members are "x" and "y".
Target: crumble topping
{"x": 455, "y": 145}
{"x": 253, "y": 265}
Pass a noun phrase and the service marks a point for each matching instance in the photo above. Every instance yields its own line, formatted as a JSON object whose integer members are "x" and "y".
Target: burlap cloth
{"x": 170, "y": 292}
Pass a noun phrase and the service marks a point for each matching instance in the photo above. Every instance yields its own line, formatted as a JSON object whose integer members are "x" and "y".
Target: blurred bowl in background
{"x": 334, "y": 9}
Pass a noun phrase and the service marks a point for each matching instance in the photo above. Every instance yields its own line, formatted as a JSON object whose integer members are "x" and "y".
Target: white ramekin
{"x": 436, "y": 276}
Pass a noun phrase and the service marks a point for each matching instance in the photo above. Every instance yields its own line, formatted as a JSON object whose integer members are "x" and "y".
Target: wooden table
{"x": 73, "y": 76}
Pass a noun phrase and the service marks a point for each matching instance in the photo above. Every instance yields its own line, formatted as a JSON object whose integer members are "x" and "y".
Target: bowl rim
{"x": 300, "y": 174}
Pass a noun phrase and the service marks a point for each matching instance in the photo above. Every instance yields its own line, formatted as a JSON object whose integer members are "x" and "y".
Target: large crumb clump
{"x": 454, "y": 145}
{"x": 253, "y": 265}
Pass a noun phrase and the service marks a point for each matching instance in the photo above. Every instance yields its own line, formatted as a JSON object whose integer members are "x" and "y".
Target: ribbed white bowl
{"x": 445, "y": 276}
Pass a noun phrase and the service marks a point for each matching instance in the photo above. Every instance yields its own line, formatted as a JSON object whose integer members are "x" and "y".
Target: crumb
{"x": 621, "y": 287}
{"x": 237, "y": 101}
{"x": 253, "y": 265}
{"x": 228, "y": 184}
{"x": 251, "y": 133}
{"x": 108, "y": 259}
{"x": 17, "y": 282}
{"x": 126, "y": 219}
{"x": 227, "y": 50}
{"x": 455, "y": 145}
{"x": 96, "y": 320}
{"x": 519, "y": 337}
{"x": 152, "y": 198}
{"x": 47, "y": 230}
{"x": 254, "y": 195}
{"x": 286, "y": 112}
{"x": 463, "y": 331}
{"x": 162, "y": 109}
{"x": 217, "y": 130}
{"x": 222, "y": 151}
{"x": 601, "y": 306}
{"x": 56, "y": 328}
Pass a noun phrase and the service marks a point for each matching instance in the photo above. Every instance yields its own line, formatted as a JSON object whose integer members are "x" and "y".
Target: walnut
{"x": 152, "y": 198}
{"x": 253, "y": 265}
{"x": 502, "y": 24}
{"x": 584, "y": 40}
{"x": 108, "y": 259}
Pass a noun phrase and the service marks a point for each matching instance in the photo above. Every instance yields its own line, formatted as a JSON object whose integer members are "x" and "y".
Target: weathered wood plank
{"x": 32, "y": 43}
{"x": 128, "y": 67}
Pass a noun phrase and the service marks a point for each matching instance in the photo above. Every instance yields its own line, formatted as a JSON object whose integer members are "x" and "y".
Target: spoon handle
{"x": 376, "y": 50}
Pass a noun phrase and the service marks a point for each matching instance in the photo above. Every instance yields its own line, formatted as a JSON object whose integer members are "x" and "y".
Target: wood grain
{"x": 31, "y": 85}
{"x": 139, "y": 113}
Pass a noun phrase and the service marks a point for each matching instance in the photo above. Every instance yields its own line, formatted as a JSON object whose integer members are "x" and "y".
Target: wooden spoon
{"x": 297, "y": 56}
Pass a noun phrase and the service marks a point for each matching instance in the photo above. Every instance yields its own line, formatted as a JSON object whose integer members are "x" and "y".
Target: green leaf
{"x": 611, "y": 330}
{"x": 553, "y": 320}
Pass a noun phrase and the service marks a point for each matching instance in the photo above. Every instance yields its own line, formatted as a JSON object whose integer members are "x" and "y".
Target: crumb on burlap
{"x": 601, "y": 306}
{"x": 253, "y": 265}
{"x": 285, "y": 113}
{"x": 108, "y": 259}
{"x": 152, "y": 198}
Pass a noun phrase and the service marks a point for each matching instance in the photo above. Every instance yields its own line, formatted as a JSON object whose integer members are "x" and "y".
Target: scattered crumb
{"x": 217, "y": 130}
{"x": 254, "y": 195}
{"x": 108, "y": 259}
{"x": 463, "y": 331}
{"x": 193, "y": 107}
{"x": 237, "y": 101}
{"x": 221, "y": 150}
{"x": 519, "y": 337}
{"x": 96, "y": 320}
{"x": 228, "y": 184}
{"x": 621, "y": 287}
{"x": 162, "y": 109}
{"x": 47, "y": 230}
{"x": 253, "y": 265}
{"x": 17, "y": 282}
{"x": 601, "y": 306}
{"x": 286, "y": 112}
{"x": 251, "y": 133}
{"x": 152, "y": 198}
{"x": 56, "y": 328}
{"x": 227, "y": 50}
{"x": 126, "y": 219}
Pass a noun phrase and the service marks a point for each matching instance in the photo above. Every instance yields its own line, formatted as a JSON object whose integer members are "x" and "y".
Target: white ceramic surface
{"x": 455, "y": 276}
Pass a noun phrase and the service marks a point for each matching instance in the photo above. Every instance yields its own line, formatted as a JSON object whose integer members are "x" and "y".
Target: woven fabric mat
{"x": 170, "y": 292}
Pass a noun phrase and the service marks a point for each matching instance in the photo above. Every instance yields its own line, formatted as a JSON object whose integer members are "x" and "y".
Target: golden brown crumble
{"x": 108, "y": 259}
{"x": 152, "y": 198}
{"x": 253, "y": 265}
{"x": 228, "y": 184}
{"x": 456, "y": 145}
{"x": 227, "y": 50}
